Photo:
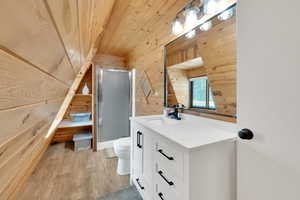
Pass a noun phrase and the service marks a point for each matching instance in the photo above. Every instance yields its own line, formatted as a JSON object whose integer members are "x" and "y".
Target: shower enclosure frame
{"x": 99, "y": 104}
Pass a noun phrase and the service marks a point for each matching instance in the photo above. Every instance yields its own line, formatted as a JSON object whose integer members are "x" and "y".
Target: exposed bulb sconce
{"x": 195, "y": 10}
{"x": 191, "y": 34}
{"x": 191, "y": 16}
{"x": 211, "y": 7}
{"x": 177, "y": 26}
{"x": 227, "y": 14}
{"x": 206, "y": 26}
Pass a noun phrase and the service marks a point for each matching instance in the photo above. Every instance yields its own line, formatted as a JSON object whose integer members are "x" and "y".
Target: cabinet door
{"x": 148, "y": 166}
{"x": 137, "y": 153}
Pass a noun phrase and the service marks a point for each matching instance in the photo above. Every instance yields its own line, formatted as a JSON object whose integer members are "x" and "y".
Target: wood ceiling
{"x": 133, "y": 21}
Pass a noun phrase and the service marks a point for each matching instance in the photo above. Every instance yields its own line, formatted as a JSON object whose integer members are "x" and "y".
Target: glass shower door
{"x": 114, "y": 104}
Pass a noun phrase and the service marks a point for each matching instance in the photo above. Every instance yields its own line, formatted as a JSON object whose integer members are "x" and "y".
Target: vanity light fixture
{"x": 206, "y": 26}
{"x": 191, "y": 34}
{"x": 227, "y": 14}
{"x": 177, "y": 26}
{"x": 195, "y": 10}
{"x": 191, "y": 16}
{"x": 211, "y": 7}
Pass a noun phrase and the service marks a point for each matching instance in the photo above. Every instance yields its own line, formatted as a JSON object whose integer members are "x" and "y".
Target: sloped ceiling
{"x": 43, "y": 44}
{"x": 136, "y": 25}
{"x": 133, "y": 21}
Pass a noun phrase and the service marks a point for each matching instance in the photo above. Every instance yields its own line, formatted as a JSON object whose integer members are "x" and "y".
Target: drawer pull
{"x": 161, "y": 196}
{"x": 162, "y": 153}
{"x": 139, "y": 133}
{"x": 138, "y": 182}
{"x": 161, "y": 174}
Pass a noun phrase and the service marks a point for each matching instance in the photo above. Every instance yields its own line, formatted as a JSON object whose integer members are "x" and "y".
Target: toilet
{"x": 122, "y": 151}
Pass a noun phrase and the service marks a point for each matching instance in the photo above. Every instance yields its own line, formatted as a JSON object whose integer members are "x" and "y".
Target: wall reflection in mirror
{"x": 201, "y": 67}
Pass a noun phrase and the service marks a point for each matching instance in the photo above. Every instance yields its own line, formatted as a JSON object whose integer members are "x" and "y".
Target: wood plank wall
{"x": 148, "y": 54}
{"x": 43, "y": 44}
{"x": 109, "y": 61}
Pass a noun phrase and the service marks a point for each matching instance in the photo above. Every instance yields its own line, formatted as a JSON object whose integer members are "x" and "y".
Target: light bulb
{"x": 211, "y": 7}
{"x": 227, "y": 14}
{"x": 206, "y": 26}
{"x": 177, "y": 27}
{"x": 191, "y": 34}
{"x": 191, "y": 17}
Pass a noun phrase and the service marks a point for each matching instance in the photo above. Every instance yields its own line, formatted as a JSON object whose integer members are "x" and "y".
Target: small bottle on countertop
{"x": 166, "y": 111}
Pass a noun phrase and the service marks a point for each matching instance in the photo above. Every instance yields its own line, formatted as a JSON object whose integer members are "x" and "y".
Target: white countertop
{"x": 192, "y": 131}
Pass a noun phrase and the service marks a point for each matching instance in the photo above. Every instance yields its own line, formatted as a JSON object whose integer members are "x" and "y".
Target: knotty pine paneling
{"x": 27, "y": 30}
{"x": 65, "y": 16}
{"x": 40, "y": 55}
{"x": 152, "y": 65}
{"x": 22, "y": 84}
{"x": 17, "y": 120}
{"x": 17, "y": 170}
{"x": 109, "y": 61}
{"x": 92, "y": 25}
{"x": 133, "y": 22}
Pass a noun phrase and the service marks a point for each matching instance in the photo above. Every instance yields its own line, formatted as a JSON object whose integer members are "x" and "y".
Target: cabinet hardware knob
{"x": 246, "y": 134}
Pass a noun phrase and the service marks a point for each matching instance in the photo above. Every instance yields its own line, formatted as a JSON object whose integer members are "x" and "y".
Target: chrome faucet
{"x": 175, "y": 113}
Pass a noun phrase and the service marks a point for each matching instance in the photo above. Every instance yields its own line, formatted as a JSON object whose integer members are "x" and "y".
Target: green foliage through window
{"x": 201, "y": 94}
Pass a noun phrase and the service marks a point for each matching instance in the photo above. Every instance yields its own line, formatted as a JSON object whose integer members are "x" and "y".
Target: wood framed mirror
{"x": 200, "y": 72}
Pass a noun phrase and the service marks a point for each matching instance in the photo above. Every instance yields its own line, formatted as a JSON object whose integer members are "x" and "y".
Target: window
{"x": 201, "y": 94}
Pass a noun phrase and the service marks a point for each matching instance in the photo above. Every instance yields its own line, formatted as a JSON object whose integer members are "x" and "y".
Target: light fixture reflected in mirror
{"x": 206, "y": 26}
{"x": 227, "y": 14}
{"x": 191, "y": 34}
{"x": 211, "y": 7}
{"x": 191, "y": 16}
{"x": 177, "y": 26}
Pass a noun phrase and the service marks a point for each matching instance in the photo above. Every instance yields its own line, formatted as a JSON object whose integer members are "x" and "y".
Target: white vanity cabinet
{"x": 164, "y": 169}
{"x": 142, "y": 168}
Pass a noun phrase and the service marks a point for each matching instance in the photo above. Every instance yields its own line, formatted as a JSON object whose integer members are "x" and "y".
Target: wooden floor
{"x": 64, "y": 174}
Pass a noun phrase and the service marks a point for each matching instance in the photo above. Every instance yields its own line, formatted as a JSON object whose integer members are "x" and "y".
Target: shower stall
{"x": 113, "y": 105}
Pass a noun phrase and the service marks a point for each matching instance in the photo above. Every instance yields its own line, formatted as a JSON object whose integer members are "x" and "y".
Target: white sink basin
{"x": 160, "y": 121}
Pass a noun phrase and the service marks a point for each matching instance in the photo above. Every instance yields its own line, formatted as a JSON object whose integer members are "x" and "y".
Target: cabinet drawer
{"x": 143, "y": 187}
{"x": 164, "y": 191}
{"x": 169, "y": 158}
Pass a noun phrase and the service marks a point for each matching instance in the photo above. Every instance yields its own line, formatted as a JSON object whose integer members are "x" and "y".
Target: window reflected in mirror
{"x": 201, "y": 93}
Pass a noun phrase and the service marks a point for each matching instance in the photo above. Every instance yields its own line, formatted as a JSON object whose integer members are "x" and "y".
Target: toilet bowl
{"x": 122, "y": 151}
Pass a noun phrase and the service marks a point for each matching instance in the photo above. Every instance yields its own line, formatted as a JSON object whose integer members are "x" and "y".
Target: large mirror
{"x": 200, "y": 69}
